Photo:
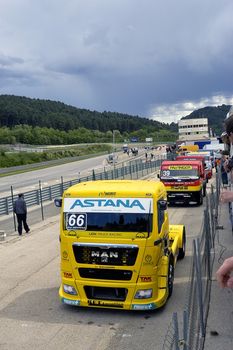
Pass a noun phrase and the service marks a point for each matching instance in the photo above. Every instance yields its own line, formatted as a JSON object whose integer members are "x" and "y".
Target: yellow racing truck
{"x": 117, "y": 247}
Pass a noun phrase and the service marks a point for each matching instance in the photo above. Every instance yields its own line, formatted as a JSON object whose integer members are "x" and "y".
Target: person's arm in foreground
{"x": 224, "y": 277}
{"x": 226, "y": 196}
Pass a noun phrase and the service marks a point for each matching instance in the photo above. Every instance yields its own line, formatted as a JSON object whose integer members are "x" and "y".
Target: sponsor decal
{"x": 67, "y": 274}
{"x": 107, "y": 205}
{"x": 106, "y": 234}
{"x": 179, "y": 187}
{"x": 150, "y": 306}
{"x": 65, "y": 255}
{"x": 180, "y": 167}
{"x": 141, "y": 235}
{"x": 145, "y": 279}
{"x": 71, "y": 302}
{"x": 71, "y": 234}
{"x": 104, "y": 303}
{"x": 148, "y": 258}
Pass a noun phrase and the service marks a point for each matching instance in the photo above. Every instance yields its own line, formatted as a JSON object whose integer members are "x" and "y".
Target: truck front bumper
{"x": 183, "y": 197}
{"x": 83, "y": 300}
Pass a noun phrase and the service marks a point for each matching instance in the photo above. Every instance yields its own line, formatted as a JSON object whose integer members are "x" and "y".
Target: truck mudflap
{"x": 177, "y": 237}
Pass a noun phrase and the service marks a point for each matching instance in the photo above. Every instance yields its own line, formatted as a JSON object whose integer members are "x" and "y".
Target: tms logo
{"x": 116, "y": 203}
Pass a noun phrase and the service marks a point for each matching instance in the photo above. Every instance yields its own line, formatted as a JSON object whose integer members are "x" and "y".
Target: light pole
{"x": 113, "y": 142}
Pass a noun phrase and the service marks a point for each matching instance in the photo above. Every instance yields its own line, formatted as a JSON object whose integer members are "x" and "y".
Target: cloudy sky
{"x": 152, "y": 58}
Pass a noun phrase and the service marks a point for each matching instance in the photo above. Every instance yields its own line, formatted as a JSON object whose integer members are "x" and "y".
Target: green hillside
{"x": 16, "y": 110}
{"x": 215, "y": 116}
{"x": 37, "y": 121}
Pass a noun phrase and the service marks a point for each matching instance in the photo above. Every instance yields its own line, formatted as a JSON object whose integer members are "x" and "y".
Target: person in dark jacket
{"x": 20, "y": 209}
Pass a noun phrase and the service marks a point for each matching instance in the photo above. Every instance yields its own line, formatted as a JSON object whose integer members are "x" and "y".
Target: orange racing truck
{"x": 184, "y": 180}
{"x": 117, "y": 247}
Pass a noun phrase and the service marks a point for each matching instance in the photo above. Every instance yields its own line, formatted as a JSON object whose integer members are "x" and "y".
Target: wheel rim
{"x": 170, "y": 276}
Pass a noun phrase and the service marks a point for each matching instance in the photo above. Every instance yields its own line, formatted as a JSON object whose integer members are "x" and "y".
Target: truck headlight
{"x": 143, "y": 294}
{"x": 69, "y": 289}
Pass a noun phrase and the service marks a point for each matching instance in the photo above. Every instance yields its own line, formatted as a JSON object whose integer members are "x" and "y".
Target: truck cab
{"x": 203, "y": 170}
{"x": 117, "y": 247}
{"x": 184, "y": 180}
{"x": 183, "y": 149}
{"x": 209, "y": 161}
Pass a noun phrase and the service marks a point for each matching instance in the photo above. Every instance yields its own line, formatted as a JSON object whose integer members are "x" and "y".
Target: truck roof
{"x": 191, "y": 156}
{"x": 181, "y": 162}
{"x": 120, "y": 188}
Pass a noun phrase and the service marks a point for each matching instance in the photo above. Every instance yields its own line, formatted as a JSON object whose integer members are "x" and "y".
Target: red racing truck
{"x": 184, "y": 181}
{"x": 207, "y": 171}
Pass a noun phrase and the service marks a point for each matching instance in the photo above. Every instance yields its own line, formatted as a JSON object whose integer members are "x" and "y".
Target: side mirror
{"x": 162, "y": 204}
{"x": 158, "y": 176}
{"x": 58, "y": 202}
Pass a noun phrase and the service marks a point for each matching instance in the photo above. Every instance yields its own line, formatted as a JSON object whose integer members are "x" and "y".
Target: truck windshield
{"x": 118, "y": 222}
{"x": 171, "y": 173}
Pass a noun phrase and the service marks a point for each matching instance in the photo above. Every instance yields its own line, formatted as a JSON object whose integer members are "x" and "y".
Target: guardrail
{"x": 48, "y": 163}
{"x": 133, "y": 169}
{"x": 189, "y": 333}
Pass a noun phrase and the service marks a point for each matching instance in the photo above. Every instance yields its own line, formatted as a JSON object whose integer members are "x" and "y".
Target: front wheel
{"x": 204, "y": 190}
{"x": 200, "y": 198}
{"x": 181, "y": 252}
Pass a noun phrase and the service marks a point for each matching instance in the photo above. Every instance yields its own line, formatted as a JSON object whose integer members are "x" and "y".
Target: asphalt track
{"x": 32, "y": 317}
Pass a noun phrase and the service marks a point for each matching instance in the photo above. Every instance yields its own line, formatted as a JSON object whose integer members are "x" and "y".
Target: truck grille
{"x": 105, "y": 254}
{"x": 106, "y": 293}
{"x": 106, "y": 274}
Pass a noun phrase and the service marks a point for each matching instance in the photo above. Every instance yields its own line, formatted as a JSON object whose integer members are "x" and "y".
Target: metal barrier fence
{"x": 128, "y": 170}
{"x": 189, "y": 333}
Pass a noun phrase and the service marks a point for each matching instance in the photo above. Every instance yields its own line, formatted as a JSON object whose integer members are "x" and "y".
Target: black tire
{"x": 204, "y": 190}
{"x": 181, "y": 253}
{"x": 200, "y": 198}
{"x": 170, "y": 277}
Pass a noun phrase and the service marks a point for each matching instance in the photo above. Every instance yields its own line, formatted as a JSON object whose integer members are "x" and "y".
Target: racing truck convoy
{"x": 184, "y": 180}
{"x": 117, "y": 247}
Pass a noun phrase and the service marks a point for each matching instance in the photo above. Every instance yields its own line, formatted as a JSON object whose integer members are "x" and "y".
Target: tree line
{"x": 27, "y": 134}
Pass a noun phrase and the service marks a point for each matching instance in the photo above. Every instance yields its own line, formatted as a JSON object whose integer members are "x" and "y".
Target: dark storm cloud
{"x": 138, "y": 57}
{"x": 9, "y": 61}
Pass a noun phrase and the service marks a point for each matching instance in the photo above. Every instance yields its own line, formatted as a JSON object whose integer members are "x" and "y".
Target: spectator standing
{"x": 20, "y": 209}
{"x": 223, "y": 171}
